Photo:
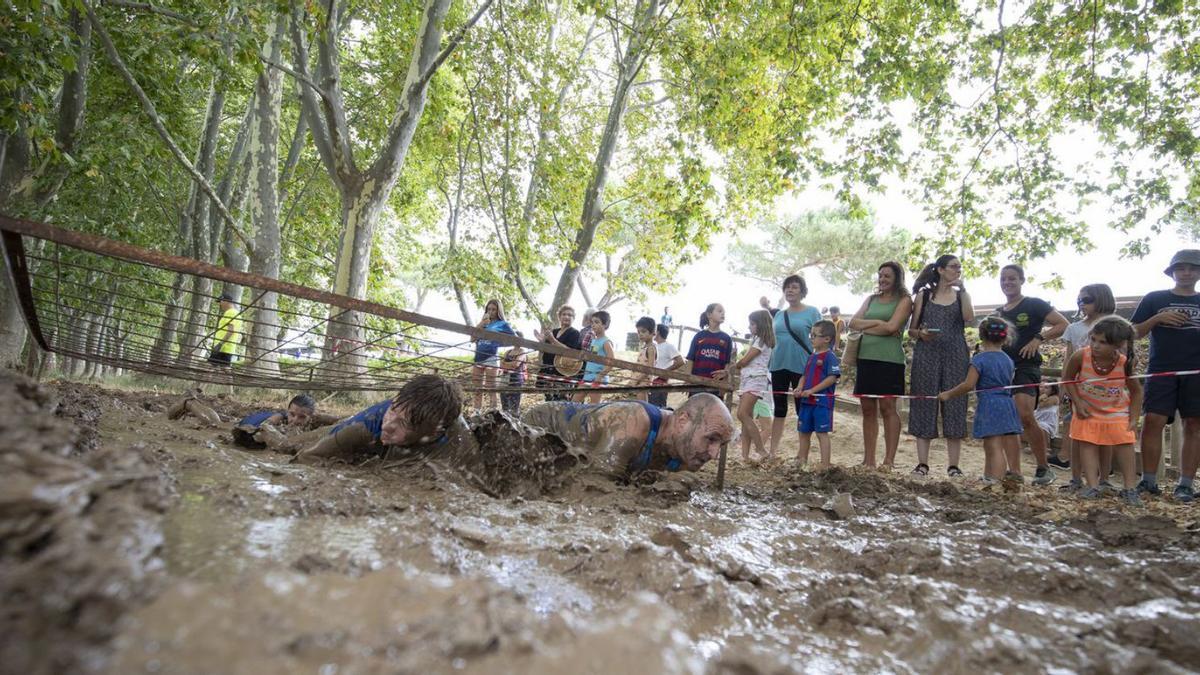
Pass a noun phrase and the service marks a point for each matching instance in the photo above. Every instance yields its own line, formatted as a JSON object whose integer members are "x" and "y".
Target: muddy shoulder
{"x": 132, "y": 543}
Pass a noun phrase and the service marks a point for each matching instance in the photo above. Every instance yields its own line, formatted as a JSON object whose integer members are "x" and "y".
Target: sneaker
{"x": 1184, "y": 493}
{"x": 1089, "y": 493}
{"x": 1131, "y": 497}
{"x": 1074, "y": 485}
{"x": 921, "y": 470}
{"x": 1061, "y": 463}
{"x": 1044, "y": 476}
{"x": 954, "y": 472}
{"x": 1144, "y": 488}
{"x": 1108, "y": 489}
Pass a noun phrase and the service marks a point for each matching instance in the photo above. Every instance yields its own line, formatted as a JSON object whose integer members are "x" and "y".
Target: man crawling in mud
{"x": 626, "y": 437}
{"x": 427, "y": 411}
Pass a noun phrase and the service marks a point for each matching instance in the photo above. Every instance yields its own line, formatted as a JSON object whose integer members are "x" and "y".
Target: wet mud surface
{"x": 234, "y": 561}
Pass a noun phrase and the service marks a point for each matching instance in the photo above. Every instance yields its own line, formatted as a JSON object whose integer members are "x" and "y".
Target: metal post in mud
{"x": 721, "y": 467}
{"x": 1175, "y": 458}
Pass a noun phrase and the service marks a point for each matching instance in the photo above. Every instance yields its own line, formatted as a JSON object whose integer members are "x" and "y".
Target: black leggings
{"x": 783, "y": 381}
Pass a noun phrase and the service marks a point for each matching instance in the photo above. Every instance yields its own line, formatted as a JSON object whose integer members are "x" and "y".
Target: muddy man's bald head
{"x": 701, "y": 426}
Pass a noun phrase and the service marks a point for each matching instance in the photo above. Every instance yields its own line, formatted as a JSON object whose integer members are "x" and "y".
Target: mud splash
{"x": 80, "y": 530}
{"x": 386, "y": 568}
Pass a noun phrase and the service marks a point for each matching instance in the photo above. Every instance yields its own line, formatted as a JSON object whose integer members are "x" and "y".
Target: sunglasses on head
{"x": 1086, "y": 300}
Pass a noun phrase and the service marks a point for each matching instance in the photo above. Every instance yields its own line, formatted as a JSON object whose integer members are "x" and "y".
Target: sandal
{"x": 921, "y": 470}
{"x": 954, "y": 472}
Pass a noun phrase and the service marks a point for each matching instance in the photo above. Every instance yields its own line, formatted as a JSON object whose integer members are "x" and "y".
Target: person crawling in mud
{"x": 260, "y": 429}
{"x": 632, "y": 436}
{"x": 427, "y": 411}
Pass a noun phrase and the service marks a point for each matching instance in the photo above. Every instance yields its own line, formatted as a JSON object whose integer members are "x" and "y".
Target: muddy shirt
{"x": 371, "y": 419}
{"x": 579, "y": 424}
{"x": 255, "y": 419}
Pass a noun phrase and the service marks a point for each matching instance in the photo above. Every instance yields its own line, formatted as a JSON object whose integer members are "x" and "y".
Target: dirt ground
{"x": 135, "y": 544}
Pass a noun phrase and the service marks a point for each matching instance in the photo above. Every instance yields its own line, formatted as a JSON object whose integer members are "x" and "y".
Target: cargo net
{"x": 103, "y": 301}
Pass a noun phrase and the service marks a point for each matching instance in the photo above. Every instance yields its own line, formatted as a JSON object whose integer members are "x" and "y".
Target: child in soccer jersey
{"x": 816, "y": 393}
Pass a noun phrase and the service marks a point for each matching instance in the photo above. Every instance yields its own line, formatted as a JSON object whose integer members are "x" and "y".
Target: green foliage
{"x": 844, "y": 247}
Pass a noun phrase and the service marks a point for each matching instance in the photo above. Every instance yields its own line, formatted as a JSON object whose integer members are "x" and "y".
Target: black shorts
{"x": 783, "y": 381}
{"x": 220, "y": 358}
{"x": 879, "y": 377}
{"x": 1030, "y": 375}
{"x": 1165, "y": 395}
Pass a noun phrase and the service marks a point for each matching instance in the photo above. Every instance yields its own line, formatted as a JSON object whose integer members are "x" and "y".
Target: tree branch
{"x": 309, "y": 106}
{"x": 153, "y": 9}
{"x": 333, "y": 104}
{"x": 453, "y": 43}
{"x": 299, "y": 77}
{"x": 156, "y": 121}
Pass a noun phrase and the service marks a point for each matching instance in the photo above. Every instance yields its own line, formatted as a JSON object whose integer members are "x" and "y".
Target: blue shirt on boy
{"x": 820, "y": 366}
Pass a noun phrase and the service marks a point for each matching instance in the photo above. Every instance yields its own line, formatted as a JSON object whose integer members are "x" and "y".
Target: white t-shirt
{"x": 1077, "y": 334}
{"x": 758, "y": 365}
{"x": 666, "y": 355}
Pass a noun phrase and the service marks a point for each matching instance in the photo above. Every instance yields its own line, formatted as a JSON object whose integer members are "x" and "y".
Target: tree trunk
{"x": 17, "y": 174}
{"x": 202, "y": 238}
{"x": 12, "y": 327}
{"x": 264, "y": 206}
{"x": 593, "y": 199}
{"x": 364, "y": 193}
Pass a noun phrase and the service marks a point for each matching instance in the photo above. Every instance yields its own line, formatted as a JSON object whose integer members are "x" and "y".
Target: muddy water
{"x": 271, "y": 567}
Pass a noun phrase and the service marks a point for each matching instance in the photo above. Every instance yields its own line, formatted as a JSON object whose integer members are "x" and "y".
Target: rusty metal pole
{"x": 721, "y": 467}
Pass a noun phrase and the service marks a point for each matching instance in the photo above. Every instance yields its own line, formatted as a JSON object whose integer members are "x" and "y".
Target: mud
{"x": 80, "y": 530}
{"x": 391, "y": 567}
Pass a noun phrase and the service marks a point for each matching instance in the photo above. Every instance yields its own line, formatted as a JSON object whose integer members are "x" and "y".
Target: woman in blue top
{"x": 487, "y": 358}
{"x": 792, "y": 349}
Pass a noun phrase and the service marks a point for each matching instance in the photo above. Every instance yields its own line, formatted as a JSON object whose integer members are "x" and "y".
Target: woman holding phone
{"x": 941, "y": 311}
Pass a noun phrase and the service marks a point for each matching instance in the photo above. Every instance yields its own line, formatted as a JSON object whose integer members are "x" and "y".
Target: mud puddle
{"x": 281, "y": 568}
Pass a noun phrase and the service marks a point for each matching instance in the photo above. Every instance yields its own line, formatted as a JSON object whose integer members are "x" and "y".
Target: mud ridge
{"x": 81, "y": 529}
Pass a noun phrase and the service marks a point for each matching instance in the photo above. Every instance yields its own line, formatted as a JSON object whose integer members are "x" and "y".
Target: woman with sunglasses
{"x": 1095, "y": 302}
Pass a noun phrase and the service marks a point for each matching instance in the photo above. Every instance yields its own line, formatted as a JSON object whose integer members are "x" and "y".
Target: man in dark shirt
{"x": 426, "y": 411}
{"x": 1172, "y": 319}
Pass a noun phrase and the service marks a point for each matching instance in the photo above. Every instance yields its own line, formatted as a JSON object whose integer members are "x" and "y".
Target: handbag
{"x": 850, "y": 353}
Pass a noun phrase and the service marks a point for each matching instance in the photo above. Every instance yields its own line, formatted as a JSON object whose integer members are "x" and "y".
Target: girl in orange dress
{"x": 1106, "y": 409}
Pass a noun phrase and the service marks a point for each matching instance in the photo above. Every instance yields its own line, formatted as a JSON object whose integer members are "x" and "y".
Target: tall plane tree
{"x": 364, "y": 191}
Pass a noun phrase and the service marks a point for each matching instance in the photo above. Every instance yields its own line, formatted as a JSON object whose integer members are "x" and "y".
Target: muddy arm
{"x": 348, "y": 441}
{"x": 323, "y": 420}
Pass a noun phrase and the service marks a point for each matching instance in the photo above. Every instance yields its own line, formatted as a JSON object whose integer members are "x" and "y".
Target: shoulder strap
{"x": 643, "y": 459}
{"x": 788, "y": 322}
{"x": 924, "y": 304}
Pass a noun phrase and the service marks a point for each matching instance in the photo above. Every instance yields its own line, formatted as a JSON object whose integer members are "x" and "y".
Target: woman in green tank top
{"x": 880, "y": 369}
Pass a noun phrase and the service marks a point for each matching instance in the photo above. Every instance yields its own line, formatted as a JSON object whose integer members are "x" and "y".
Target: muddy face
{"x": 702, "y": 437}
{"x": 298, "y": 416}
